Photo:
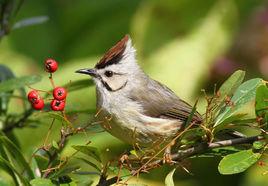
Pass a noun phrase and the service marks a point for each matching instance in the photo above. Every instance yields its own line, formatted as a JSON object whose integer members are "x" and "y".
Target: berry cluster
{"x": 59, "y": 93}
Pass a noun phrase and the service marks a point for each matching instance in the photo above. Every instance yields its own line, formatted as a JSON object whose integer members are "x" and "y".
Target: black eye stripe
{"x": 106, "y": 85}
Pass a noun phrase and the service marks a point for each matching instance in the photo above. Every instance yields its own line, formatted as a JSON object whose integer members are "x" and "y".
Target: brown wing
{"x": 160, "y": 101}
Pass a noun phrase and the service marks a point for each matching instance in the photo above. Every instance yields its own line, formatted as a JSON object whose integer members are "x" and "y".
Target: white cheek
{"x": 116, "y": 82}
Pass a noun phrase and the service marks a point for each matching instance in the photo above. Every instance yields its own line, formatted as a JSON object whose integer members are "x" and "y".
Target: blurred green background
{"x": 186, "y": 44}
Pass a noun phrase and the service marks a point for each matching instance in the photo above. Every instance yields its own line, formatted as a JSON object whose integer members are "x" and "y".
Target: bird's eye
{"x": 108, "y": 73}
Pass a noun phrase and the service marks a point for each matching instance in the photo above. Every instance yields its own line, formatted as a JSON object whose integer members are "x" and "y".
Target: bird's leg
{"x": 167, "y": 154}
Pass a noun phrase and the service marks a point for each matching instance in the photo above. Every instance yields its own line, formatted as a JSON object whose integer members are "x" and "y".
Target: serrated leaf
{"x": 261, "y": 106}
{"x": 243, "y": 103}
{"x": 41, "y": 182}
{"x": 16, "y": 83}
{"x": 238, "y": 162}
{"x": 88, "y": 150}
{"x": 169, "y": 178}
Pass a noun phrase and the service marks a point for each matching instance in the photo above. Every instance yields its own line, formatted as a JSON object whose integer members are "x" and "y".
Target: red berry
{"x": 38, "y": 105}
{"x": 33, "y": 96}
{"x": 59, "y": 93}
{"x": 57, "y": 105}
{"x": 51, "y": 65}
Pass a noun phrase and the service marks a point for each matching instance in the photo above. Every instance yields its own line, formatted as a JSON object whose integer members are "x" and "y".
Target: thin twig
{"x": 20, "y": 123}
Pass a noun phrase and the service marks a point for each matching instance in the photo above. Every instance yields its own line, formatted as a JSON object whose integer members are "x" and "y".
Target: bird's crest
{"x": 114, "y": 54}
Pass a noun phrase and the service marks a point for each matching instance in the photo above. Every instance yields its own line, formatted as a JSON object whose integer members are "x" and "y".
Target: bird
{"x": 132, "y": 106}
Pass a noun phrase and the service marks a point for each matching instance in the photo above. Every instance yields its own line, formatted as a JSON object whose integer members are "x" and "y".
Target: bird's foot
{"x": 167, "y": 159}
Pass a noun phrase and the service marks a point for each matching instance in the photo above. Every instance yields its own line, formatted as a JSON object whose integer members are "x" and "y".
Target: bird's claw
{"x": 167, "y": 159}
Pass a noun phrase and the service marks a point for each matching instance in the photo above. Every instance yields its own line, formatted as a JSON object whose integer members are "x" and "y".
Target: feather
{"x": 114, "y": 54}
{"x": 161, "y": 102}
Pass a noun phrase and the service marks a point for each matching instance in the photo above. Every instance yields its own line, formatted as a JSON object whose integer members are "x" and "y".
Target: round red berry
{"x": 59, "y": 93}
{"x": 51, "y": 65}
{"x": 38, "y": 105}
{"x": 33, "y": 96}
{"x": 57, "y": 105}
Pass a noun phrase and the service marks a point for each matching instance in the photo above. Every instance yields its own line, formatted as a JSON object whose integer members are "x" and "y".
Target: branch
{"x": 197, "y": 150}
{"x": 19, "y": 123}
{"x": 54, "y": 156}
{"x": 61, "y": 143}
{"x": 203, "y": 147}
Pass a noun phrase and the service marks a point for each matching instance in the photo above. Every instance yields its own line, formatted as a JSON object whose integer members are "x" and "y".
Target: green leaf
{"x": 17, "y": 155}
{"x": 90, "y": 163}
{"x": 41, "y": 162}
{"x": 192, "y": 135}
{"x": 134, "y": 152}
{"x": 16, "y": 83}
{"x": 261, "y": 106}
{"x": 41, "y": 182}
{"x": 88, "y": 150}
{"x": 190, "y": 117}
{"x": 69, "y": 184}
{"x": 243, "y": 103}
{"x": 258, "y": 145}
{"x": 228, "y": 88}
{"x": 124, "y": 173}
{"x": 64, "y": 171}
{"x": 7, "y": 166}
{"x": 169, "y": 178}
{"x": 238, "y": 162}
{"x": 221, "y": 151}
{"x": 4, "y": 182}
{"x": 5, "y": 74}
{"x": 231, "y": 84}
{"x": 55, "y": 145}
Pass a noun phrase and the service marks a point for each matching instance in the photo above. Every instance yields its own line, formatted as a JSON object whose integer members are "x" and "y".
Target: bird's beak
{"x": 92, "y": 72}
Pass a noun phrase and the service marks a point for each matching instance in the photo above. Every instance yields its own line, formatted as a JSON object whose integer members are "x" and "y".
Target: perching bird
{"x": 132, "y": 106}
